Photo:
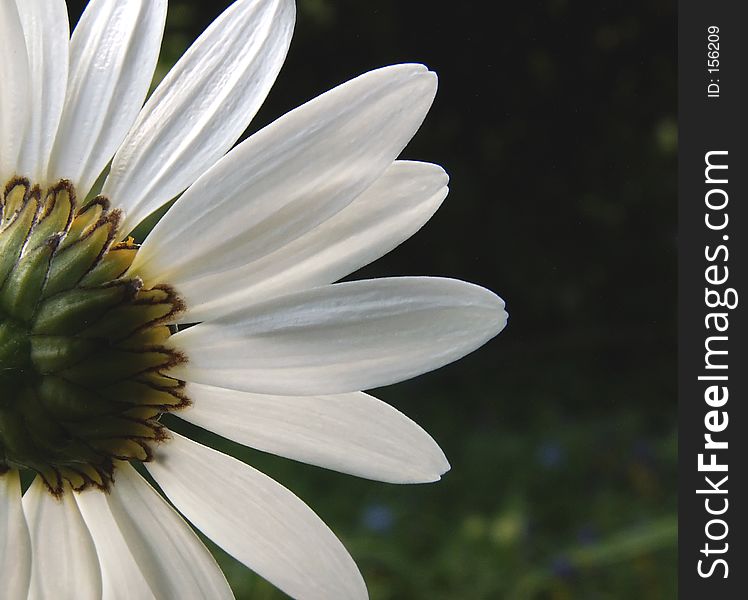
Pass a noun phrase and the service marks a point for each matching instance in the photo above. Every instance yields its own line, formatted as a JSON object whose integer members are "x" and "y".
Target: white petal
{"x": 352, "y": 433}
{"x": 15, "y": 546}
{"x": 257, "y": 521}
{"x": 113, "y": 53}
{"x": 173, "y": 560}
{"x": 386, "y": 214}
{"x": 342, "y": 338}
{"x": 120, "y": 574}
{"x": 202, "y": 106}
{"x": 47, "y": 33}
{"x": 14, "y": 88}
{"x": 292, "y": 175}
{"x": 64, "y": 556}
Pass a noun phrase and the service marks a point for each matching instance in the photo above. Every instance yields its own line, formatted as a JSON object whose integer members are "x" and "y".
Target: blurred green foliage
{"x": 557, "y": 123}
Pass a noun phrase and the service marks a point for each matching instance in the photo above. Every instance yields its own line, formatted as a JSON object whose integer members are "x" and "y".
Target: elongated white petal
{"x": 386, "y": 214}
{"x": 256, "y": 520}
{"x": 14, "y": 88}
{"x": 64, "y": 556}
{"x": 47, "y": 33}
{"x": 292, "y": 175}
{"x": 173, "y": 560}
{"x": 352, "y": 433}
{"x": 113, "y": 54}
{"x": 15, "y": 546}
{"x": 342, "y": 338}
{"x": 202, "y": 106}
{"x": 120, "y": 574}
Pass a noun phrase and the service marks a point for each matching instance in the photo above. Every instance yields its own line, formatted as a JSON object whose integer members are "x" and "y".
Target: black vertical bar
{"x": 713, "y": 112}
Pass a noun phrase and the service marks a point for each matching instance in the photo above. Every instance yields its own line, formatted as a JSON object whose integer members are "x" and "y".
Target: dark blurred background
{"x": 557, "y": 123}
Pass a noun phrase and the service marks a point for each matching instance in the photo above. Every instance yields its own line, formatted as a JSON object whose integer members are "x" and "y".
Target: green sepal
{"x": 86, "y": 218}
{"x": 23, "y": 287}
{"x": 144, "y": 394}
{"x": 146, "y": 338}
{"x": 108, "y": 427}
{"x": 13, "y": 237}
{"x": 86, "y": 472}
{"x": 143, "y": 413}
{"x": 34, "y": 446}
{"x": 76, "y": 480}
{"x": 114, "y": 265}
{"x": 73, "y": 262}
{"x": 116, "y": 365}
{"x": 14, "y": 348}
{"x": 18, "y": 446}
{"x": 68, "y": 402}
{"x": 124, "y": 320}
{"x": 161, "y": 381}
{"x": 51, "y": 354}
{"x": 69, "y": 312}
{"x": 56, "y": 213}
{"x": 17, "y": 193}
{"x": 123, "y": 448}
{"x": 46, "y": 433}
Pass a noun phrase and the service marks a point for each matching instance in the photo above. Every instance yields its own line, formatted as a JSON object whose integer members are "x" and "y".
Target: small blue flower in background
{"x": 378, "y": 518}
{"x": 642, "y": 452}
{"x": 550, "y": 455}
{"x": 562, "y": 567}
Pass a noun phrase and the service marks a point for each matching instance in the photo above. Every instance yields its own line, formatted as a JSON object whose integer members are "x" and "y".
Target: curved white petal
{"x": 15, "y": 546}
{"x": 294, "y": 174}
{"x": 47, "y": 33}
{"x": 14, "y": 88}
{"x": 113, "y": 54}
{"x": 173, "y": 560}
{"x": 64, "y": 556}
{"x": 201, "y": 107}
{"x": 120, "y": 574}
{"x": 386, "y": 214}
{"x": 256, "y": 520}
{"x": 342, "y": 338}
{"x": 352, "y": 433}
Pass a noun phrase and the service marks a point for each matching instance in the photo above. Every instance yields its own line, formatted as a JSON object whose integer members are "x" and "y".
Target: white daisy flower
{"x": 90, "y": 352}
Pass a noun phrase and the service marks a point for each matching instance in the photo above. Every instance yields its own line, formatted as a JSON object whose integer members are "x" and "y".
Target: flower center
{"x": 83, "y": 366}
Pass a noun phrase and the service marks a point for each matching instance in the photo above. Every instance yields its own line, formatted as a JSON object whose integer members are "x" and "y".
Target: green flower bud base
{"x": 83, "y": 362}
